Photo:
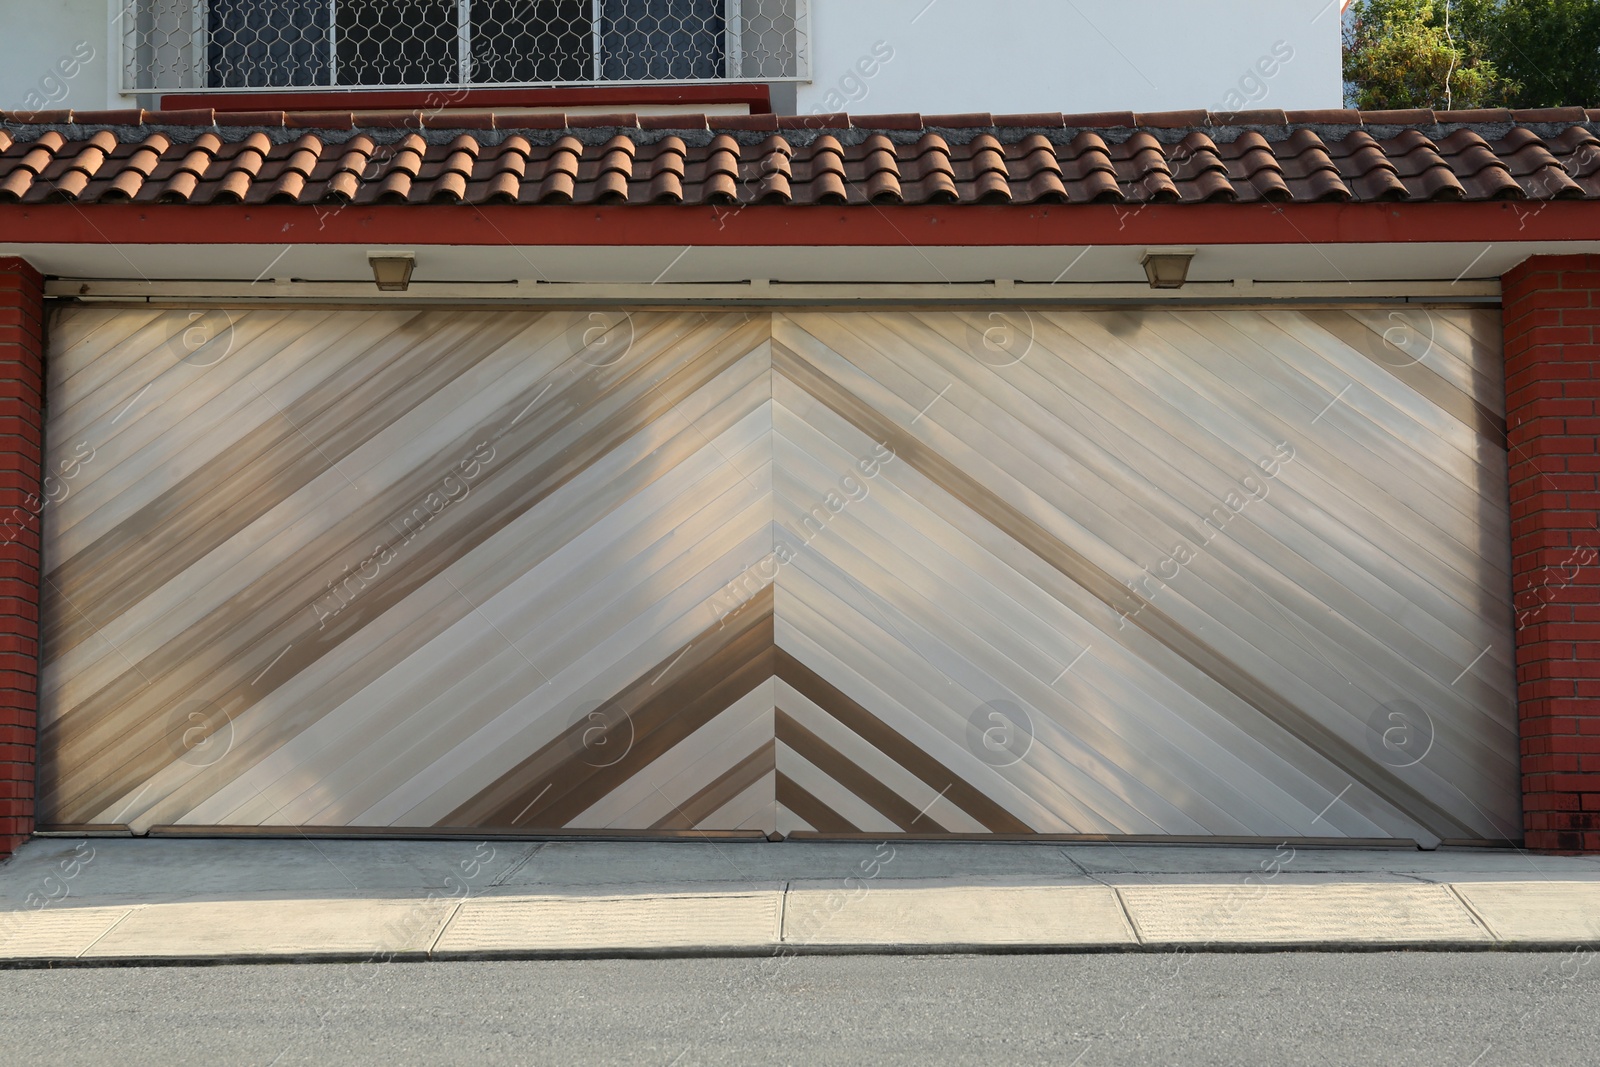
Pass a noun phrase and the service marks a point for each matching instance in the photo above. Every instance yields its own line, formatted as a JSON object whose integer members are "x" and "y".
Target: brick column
{"x": 1552, "y": 348}
{"x": 21, "y": 500}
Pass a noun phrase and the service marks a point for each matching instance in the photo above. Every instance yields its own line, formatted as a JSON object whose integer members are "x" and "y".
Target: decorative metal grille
{"x": 282, "y": 44}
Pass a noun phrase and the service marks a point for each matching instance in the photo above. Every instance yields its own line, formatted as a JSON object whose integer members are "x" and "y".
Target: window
{"x": 251, "y": 43}
{"x": 660, "y": 40}
{"x": 532, "y": 41}
{"x": 261, "y": 44}
{"x": 397, "y": 42}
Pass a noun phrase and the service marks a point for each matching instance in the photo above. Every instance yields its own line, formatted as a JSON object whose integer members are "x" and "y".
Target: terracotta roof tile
{"x": 1480, "y": 115}
{"x": 747, "y": 122}
{"x": 122, "y": 117}
{"x": 502, "y": 188}
{"x": 197, "y": 117}
{"x": 1171, "y": 120}
{"x": 1099, "y": 120}
{"x": 455, "y": 157}
{"x": 1327, "y": 117}
{"x": 461, "y": 120}
{"x": 537, "y": 122}
{"x": 973, "y": 121}
{"x": 1551, "y": 114}
{"x": 623, "y": 120}
{"x": 1249, "y": 118}
{"x": 320, "y": 120}
{"x": 835, "y": 121}
{"x": 42, "y": 118}
{"x": 1046, "y": 187}
{"x": 908, "y": 121}
{"x": 673, "y": 122}
{"x": 1412, "y": 117}
{"x": 247, "y": 119}
{"x": 394, "y": 120}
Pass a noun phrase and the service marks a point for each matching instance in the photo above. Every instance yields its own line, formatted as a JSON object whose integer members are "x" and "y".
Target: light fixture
{"x": 1167, "y": 268}
{"x": 392, "y": 270}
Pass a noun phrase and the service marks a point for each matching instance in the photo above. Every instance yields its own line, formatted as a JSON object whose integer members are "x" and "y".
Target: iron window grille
{"x": 285, "y": 44}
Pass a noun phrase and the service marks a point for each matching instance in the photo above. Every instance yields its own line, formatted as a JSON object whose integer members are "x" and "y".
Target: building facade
{"x": 814, "y": 56}
{"x": 636, "y": 437}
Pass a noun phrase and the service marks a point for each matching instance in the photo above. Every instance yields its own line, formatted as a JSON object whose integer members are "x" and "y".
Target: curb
{"x": 782, "y": 951}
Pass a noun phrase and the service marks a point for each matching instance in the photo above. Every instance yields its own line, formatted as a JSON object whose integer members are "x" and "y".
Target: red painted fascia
{"x": 777, "y": 225}
{"x": 624, "y": 97}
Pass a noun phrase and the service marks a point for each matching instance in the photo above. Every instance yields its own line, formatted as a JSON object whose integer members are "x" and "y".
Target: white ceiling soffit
{"x": 1332, "y": 267}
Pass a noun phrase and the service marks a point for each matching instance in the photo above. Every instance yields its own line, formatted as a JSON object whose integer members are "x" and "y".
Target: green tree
{"x": 1548, "y": 50}
{"x": 1402, "y": 54}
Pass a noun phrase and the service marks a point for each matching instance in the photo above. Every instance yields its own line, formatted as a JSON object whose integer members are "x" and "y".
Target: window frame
{"x": 151, "y": 67}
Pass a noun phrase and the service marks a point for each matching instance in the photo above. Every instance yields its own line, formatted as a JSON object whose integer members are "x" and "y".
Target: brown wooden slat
{"x": 724, "y": 788}
{"x": 821, "y": 817}
{"x": 556, "y": 784}
{"x": 887, "y": 740}
{"x": 847, "y": 773}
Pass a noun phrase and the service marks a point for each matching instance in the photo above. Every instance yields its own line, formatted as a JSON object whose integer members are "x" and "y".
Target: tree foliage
{"x": 1472, "y": 53}
{"x": 1549, "y": 50}
{"x": 1401, "y": 54}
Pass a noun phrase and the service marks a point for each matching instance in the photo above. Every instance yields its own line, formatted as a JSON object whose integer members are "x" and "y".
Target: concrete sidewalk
{"x": 126, "y": 900}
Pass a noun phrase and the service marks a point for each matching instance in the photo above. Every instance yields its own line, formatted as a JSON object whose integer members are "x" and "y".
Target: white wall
{"x": 883, "y": 56}
{"x": 57, "y": 54}
{"x": 1017, "y": 56}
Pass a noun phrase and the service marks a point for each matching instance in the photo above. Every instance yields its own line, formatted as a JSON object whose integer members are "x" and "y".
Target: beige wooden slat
{"x": 642, "y": 644}
{"x": 1120, "y": 414}
{"x": 964, "y": 623}
{"x": 527, "y": 544}
{"x": 220, "y": 406}
{"x": 623, "y": 498}
{"x": 1025, "y": 524}
{"x": 1220, "y": 410}
{"x": 1462, "y": 647}
{"x": 250, "y": 641}
{"x": 744, "y": 730}
{"x": 863, "y": 816}
{"x": 438, "y": 707}
{"x": 754, "y": 809}
{"x": 290, "y": 535}
{"x": 551, "y": 659}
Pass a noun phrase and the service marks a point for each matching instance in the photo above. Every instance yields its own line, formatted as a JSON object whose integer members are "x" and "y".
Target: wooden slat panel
{"x": 612, "y": 553}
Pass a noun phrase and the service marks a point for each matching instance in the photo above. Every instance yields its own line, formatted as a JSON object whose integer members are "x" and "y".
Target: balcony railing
{"x": 222, "y": 45}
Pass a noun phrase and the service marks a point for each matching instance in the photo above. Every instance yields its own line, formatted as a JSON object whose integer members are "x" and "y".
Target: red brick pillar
{"x": 21, "y": 500}
{"x": 1552, "y": 342}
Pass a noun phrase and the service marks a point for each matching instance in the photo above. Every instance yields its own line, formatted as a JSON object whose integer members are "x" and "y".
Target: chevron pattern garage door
{"x": 1231, "y": 573}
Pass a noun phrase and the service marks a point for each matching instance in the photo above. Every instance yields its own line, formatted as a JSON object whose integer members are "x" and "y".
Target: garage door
{"x": 1192, "y": 572}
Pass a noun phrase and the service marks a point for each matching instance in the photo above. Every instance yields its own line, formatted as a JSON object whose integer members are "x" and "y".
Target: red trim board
{"x": 757, "y": 97}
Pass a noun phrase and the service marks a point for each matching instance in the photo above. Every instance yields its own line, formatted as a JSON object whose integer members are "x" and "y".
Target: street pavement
{"x": 1417, "y": 1009}
{"x": 116, "y": 901}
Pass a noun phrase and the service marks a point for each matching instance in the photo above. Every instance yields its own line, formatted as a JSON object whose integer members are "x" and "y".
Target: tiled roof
{"x": 205, "y": 157}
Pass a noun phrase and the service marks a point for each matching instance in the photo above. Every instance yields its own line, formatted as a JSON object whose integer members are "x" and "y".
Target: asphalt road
{"x": 1417, "y": 1009}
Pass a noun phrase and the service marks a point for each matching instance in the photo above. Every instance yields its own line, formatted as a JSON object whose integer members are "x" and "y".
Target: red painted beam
{"x": 941, "y": 226}
{"x": 757, "y": 97}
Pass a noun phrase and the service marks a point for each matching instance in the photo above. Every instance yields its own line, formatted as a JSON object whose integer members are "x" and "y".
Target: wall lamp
{"x": 392, "y": 270}
{"x": 1167, "y": 268}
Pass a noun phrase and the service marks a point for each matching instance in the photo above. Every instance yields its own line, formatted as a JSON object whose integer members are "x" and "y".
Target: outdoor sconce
{"x": 1167, "y": 268}
{"x": 392, "y": 270}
